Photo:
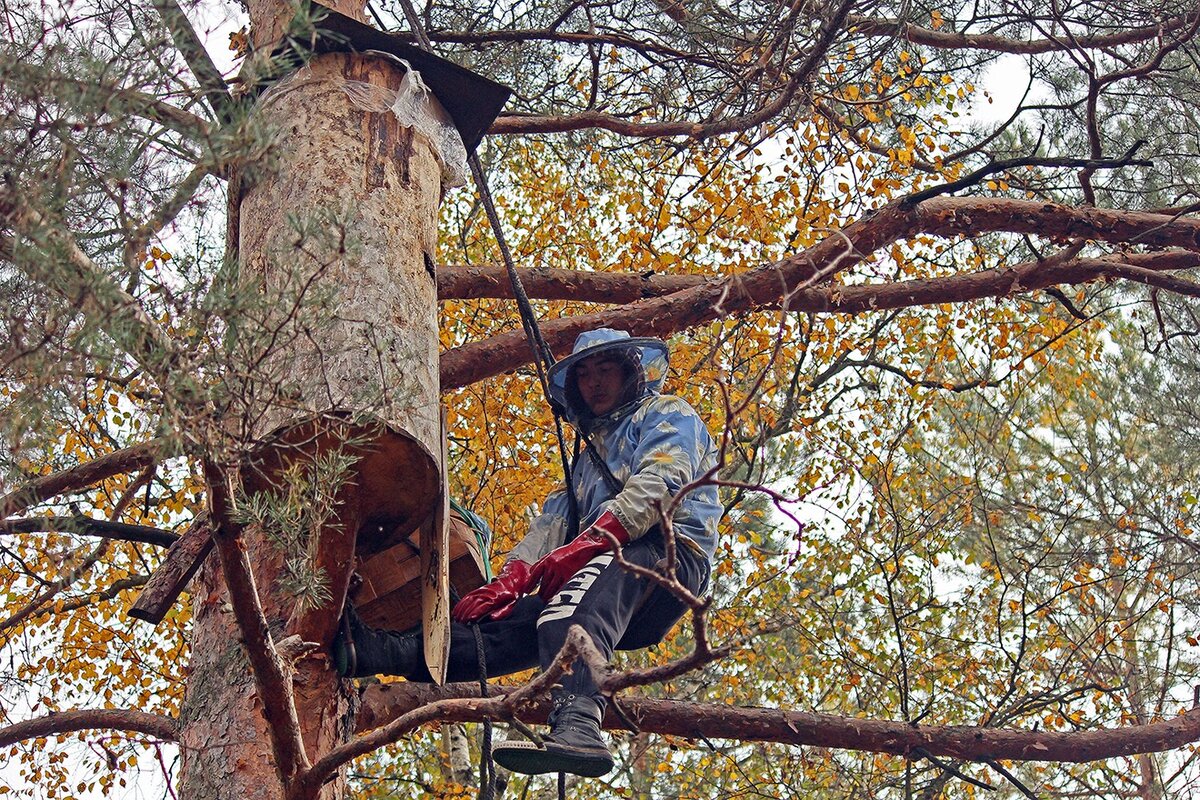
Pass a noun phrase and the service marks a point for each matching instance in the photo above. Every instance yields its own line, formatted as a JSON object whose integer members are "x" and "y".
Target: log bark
{"x": 351, "y": 212}
{"x": 342, "y": 211}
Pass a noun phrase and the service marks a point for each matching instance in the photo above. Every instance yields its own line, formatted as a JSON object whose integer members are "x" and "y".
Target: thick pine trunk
{"x": 359, "y": 178}
{"x": 225, "y": 745}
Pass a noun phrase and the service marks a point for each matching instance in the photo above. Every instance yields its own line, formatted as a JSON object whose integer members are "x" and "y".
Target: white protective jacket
{"x": 654, "y": 445}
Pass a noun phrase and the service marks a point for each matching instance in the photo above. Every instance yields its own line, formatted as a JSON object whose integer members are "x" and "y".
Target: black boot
{"x": 360, "y": 650}
{"x": 573, "y": 745}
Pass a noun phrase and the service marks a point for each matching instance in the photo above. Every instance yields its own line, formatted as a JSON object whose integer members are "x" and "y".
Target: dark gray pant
{"x": 620, "y": 610}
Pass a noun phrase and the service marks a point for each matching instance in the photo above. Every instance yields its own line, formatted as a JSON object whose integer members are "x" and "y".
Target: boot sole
{"x": 529, "y": 759}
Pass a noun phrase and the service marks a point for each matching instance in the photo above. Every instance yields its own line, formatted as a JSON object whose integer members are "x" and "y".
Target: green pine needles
{"x": 292, "y": 515}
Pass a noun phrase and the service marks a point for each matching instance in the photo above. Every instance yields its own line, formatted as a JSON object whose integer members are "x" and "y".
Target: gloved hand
{"x": 556, "y": 568}
{"x": 496, "y": 598}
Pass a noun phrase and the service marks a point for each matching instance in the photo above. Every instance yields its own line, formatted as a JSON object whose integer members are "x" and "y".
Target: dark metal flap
{"x": 471, "y": 100}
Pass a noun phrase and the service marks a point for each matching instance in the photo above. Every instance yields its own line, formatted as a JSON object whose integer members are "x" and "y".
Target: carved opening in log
{"x": 397, "y": 480}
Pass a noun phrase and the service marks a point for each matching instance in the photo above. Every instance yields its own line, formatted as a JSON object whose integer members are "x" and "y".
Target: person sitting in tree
{"x": 642, "y": 449}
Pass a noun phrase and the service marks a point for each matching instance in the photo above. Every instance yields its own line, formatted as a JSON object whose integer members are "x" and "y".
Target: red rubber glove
{"x": 496, "y": 598}
{"x": 556, "y": 568}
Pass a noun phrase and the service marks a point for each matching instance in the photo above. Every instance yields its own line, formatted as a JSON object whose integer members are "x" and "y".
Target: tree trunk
{"x": 345, "y": 207}
{"x": 224, "y": 741}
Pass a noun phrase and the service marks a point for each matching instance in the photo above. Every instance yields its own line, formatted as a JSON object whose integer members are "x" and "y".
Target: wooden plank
{"x": 435, "y": 588}
{"x": 182, "y": 562}
{"x": 390, "y": 595}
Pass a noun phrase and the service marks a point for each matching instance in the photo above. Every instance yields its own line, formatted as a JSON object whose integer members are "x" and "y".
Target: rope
{"x": 487, "y": 767}
{"x": 543, "y": 356}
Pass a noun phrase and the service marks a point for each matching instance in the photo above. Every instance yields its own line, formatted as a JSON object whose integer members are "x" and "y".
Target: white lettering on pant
{"x": 564, "y": 603}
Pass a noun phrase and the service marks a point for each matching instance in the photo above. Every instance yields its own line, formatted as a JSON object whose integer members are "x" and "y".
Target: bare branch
{"x": 1123, "y": 269}
{"x": 531, "y": 123}
{"x": 84, "y": 475}
{"x": 456, "y": 703}
{"x": 788, "y": 280}
{"x": 977, "y": 176}
{"x": 35, "y": 605}
{"x": 113, "y": 590}
{"x": 85, "y": 719}
{"x": 165, "y": 214}
{"x": 583, "y": 39}
{"x": 86, "y": 526}
{"x": 1190, "y": 25}
{"x": 949, "y": 40}
{"x": 830, "y": 29}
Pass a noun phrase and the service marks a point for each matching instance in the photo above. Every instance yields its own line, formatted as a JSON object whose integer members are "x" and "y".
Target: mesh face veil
{"x": 633, "y": 381}
{"x": 643, "y": 361}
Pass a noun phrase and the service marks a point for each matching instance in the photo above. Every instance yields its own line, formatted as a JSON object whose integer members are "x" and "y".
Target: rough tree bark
{"x": 372, "y": 188}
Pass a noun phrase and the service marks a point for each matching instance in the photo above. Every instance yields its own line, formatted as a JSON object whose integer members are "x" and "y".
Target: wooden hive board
{"x": 390, "y": 595}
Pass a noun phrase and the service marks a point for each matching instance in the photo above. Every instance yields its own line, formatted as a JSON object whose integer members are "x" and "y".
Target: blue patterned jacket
{"x": 654, "y": 445}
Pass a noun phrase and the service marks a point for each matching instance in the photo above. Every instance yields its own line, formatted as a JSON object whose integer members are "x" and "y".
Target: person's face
{"x": 601, "y": 383}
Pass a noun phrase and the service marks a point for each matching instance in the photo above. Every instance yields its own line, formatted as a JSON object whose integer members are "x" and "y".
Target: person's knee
{"x": 694, "y": 571}
{"x": 576, "y": 595}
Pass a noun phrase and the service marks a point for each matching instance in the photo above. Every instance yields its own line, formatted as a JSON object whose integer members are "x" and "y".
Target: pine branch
{"x": 112, "y": 98}
{"x": 544, "y": 283}
{"x": 618, "y": 288}
{"x": 84, "y": 719}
